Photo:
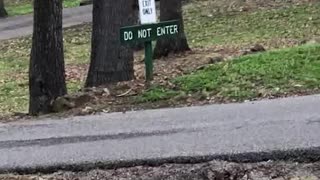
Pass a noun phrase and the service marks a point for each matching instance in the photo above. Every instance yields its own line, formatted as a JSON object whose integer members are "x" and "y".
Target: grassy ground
{"x": 274, "y": 73}
{"x": 206, "y": 28}
{"x": 21, "y": 7}
{"x": 14, "y": 62}
{"x": 249, "y": 77}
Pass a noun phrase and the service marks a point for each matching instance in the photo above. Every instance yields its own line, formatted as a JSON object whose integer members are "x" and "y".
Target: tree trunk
{"x": 46, "y": 73}
{"x": 171, "y": 10}
{"x": 110, "y": 61}
{"x": 3, "y": 12}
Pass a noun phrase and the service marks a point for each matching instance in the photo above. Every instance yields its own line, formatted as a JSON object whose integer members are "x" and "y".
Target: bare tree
{"x": 46, "y": 73}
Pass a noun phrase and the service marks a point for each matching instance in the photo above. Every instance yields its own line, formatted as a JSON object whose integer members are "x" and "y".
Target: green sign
{"x": 149, "y": 32}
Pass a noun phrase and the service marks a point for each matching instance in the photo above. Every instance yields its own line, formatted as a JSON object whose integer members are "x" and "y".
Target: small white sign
{"x": 148, "y": 12}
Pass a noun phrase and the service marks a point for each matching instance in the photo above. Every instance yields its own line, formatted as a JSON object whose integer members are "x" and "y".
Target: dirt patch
{"x": 76, "y": 72}
{"x": 215, "y": 170}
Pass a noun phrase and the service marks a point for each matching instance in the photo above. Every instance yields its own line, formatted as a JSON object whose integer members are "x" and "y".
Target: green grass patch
{"x": 271, "y": 73}
{"x": 19, "y": 9}
{"x": 23, "y": 7}
{"x": 14, "y": 62}
{"x": 13, "y": 85}
{"x": 71, "y": 3}
{"x": 208, "y": 28}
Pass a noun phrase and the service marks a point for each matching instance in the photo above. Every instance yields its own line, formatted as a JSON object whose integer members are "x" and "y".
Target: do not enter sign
{"x": 149, "y": 32}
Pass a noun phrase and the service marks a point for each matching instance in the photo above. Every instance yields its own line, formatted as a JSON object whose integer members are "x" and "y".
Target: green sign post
{"x": 147, "y": 33}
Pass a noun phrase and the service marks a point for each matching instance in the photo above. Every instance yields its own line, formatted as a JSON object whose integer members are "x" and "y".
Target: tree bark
{"x": 46, "y": 70}
{"x": 3, "y": 12}
{"x": 171, "y": 10}
{"x": 110, "y": 61}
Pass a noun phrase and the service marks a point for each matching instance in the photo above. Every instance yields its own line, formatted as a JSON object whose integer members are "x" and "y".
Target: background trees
{"x": 46, "y": 73}
{"x": 171, "y": 10}
{"x": 3, "y": 12}
{"x": 110, "y": 61}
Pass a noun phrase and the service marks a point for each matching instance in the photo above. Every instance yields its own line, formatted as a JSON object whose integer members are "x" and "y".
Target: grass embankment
{"x": 289, "y": 70}
{"x": 23, "y": 7}
{"x": 276, "y": 73}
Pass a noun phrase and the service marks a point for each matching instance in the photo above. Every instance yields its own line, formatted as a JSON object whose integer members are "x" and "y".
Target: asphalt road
{"x": 245, "y": 131}
{"x": 19, "y": 26}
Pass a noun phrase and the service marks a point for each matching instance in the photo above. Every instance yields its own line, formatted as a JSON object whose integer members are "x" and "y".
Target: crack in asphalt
{"x": 78, "y": 139}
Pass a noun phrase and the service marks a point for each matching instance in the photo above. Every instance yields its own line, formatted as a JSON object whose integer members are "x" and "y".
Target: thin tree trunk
{"x": 3, "y": 12}
{"x": 110, "y": 61}
{"x": 46, "y": 73}
{"x": 171, "y": 10}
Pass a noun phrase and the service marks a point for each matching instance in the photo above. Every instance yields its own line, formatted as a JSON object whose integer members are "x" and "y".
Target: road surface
{"x": 270, "y": 129}
{"x": 19, "y": 26}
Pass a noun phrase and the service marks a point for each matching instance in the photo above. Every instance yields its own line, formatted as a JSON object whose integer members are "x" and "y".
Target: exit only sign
{"x": 149, "y": 32}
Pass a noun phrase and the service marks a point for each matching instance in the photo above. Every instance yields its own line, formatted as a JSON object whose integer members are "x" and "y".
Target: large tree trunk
{"x": 171, "y": 10}
{"x": 110, "y": 61}
{"x": 3, "y": 12}
{"x": 46, "y": 73}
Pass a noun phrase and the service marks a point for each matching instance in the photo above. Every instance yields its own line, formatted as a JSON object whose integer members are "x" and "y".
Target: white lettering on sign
{"x": 144, "y": 33}
{"x": 147, "y": 11}
{"x": 173, "y": 29}
{"x": 128, "y": 35}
